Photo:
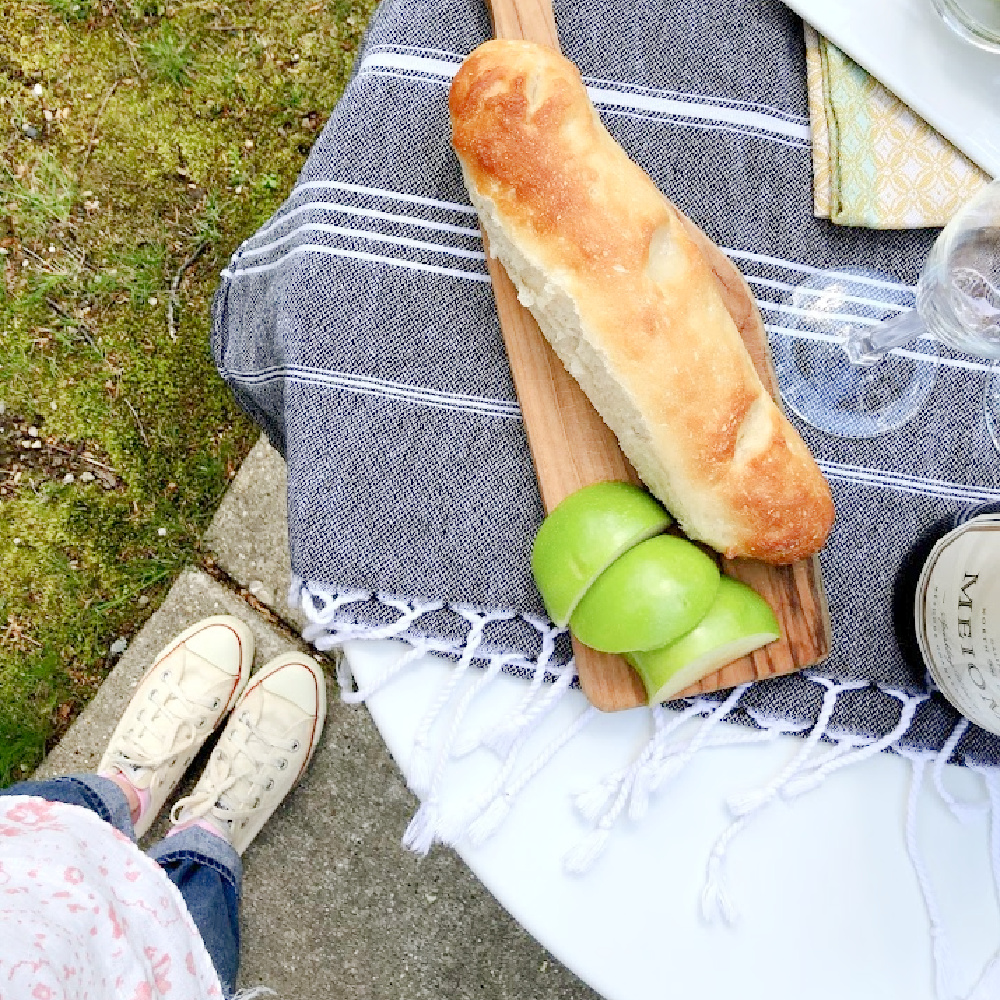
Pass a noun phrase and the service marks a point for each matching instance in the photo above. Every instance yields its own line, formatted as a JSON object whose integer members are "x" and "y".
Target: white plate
{"x": 829, "y": 904}
{"x": 950, "y": 83}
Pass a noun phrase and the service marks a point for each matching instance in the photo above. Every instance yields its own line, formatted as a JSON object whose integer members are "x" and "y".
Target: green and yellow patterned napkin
{"x": 875, "y": 163}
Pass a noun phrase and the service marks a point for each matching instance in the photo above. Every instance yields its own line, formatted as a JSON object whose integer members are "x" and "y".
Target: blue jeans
{"x": 205, "y": 868}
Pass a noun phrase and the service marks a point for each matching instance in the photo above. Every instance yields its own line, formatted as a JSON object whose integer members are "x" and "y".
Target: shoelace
{"x": 170, "y": 732}
{"x": 221, "y": 777}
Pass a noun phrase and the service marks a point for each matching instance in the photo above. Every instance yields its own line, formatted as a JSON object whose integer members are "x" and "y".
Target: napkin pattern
{"x": 358, "y": 327}
{"x": 875, "y": 162}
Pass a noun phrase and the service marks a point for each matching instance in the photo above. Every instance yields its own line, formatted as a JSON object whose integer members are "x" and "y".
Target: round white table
{"x": 828, "y": 902}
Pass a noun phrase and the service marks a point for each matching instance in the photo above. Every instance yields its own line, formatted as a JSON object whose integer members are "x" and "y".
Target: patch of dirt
{"x": 28, "y": 457}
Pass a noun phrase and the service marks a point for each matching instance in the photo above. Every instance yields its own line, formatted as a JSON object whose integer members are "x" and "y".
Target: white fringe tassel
{"x": 747, "y": 802}
{"x": 988, "y": 987}
{"x": 941, "y": 954}
{"x": 801, "y": 774}
{"x": 715, "y": 899}
{"x": 500, "y": 793}
{"x": 817, "y": 771}
{"x": 325, "y": 633}
{"x": 500, "y": 737}
{"x": 964, "y": 812}
{"x": 420, "y": 759}
{"x": 429, "y": 824}
{"x": 656, "y": 763}
{"x": 489, "y": 821}
{"x": 425, "y": 828}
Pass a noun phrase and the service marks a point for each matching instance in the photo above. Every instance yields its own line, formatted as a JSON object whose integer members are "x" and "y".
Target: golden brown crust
{"x": 656, "y": 349}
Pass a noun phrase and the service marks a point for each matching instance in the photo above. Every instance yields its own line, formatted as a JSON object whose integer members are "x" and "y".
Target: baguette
{"x": 630, "y": 306}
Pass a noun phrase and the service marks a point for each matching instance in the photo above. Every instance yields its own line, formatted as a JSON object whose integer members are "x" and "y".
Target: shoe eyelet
{"x": 201, "y": 722}
{"x": 282, "y": 764}
{"x": 295, "y": 744}
{"x": 269, "y": 785}
{"x": 165, "y": 676}
{"x": 216, "y": 704}
{"x": 256, "y": 802}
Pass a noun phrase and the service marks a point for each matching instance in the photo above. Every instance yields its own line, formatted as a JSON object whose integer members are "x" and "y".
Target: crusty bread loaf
{"x": 630, "y": 306}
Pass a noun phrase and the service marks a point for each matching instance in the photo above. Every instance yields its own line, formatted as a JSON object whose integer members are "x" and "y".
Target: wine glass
{"x": 856, "y": 379}
{"x": 977, "y": 21}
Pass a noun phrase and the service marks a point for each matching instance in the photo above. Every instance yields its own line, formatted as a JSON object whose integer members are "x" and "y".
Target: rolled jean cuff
{"x": 196, "y": 844}
{"x": 100, "y": 795}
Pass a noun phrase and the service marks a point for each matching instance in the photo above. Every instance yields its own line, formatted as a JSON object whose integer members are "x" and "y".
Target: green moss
{"x": 168, "y": 56}
{"x": 73, "y": 10}
{"x": 197, "y": 110}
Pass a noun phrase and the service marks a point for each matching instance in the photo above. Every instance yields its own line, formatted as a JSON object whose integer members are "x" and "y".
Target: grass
{"x": 168, "y": 56}
{"x": 125, "y": 152}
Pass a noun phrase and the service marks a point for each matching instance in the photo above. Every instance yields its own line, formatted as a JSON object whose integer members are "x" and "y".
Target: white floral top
{"x": 84, "y": 913}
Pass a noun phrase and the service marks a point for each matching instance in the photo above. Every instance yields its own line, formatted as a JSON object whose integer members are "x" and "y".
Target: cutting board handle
{"x": 532, "y": 20}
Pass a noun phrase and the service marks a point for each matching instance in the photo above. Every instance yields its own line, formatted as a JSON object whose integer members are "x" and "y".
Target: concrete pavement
{"x": 333, "y": 906}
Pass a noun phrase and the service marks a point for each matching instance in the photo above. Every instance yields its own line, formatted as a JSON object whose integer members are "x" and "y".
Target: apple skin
{"x": 584, "y": 535}
{"x": 738, "y": 622}
{"x": 651, "y": 595}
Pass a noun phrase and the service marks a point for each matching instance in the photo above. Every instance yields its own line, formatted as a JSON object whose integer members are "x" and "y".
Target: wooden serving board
{"x": 572, "y": 447}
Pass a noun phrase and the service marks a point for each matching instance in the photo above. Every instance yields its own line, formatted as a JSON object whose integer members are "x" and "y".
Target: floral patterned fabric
{"x": 86, "y": 914}
{"x": 876, "y": 163}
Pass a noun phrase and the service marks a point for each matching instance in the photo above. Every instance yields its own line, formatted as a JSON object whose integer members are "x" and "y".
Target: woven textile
{"x": 876, "y": 163}
{"x": 358, "y": 327}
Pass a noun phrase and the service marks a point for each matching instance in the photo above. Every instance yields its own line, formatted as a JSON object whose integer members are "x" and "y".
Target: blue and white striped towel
{"x": 358, "y": 327}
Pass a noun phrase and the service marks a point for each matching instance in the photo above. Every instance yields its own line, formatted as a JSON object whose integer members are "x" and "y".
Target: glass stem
{"x": 867, "y": 345}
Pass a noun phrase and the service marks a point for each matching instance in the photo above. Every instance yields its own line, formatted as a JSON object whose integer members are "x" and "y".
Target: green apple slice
{"x": 587, "y": 532}
{"x": 738, "y": 622}
{"x": 651, "y": 595}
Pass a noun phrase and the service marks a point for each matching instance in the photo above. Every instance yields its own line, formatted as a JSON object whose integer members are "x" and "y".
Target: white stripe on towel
{"x": 715, "y": 100}
{"x": 363, "y": 234}
{"x": 903, "y": 483}
{"x": 413, "y": 199}
{"x": 817, "y": 315}
{"x": 688, "y": 108}
{"x": 925, "y": 358}
{"x": 365, "y": 385}
{"x": 826, "y": 272}
{"x": 359, "y": 255}
{"x": 784, "y": 286}
{"x": 364, "y": 213}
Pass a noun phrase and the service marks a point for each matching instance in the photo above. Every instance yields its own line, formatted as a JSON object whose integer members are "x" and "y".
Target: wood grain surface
{"x": 572, "y": 447}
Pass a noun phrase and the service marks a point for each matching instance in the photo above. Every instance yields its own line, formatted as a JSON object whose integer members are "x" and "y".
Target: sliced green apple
{"x": 587, "y": 532}
{"x": 738, "y": 622}
{"x": 651, "y": 595}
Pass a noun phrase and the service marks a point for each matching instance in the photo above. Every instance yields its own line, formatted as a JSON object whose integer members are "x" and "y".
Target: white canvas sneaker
{"x": 262, "y": 752}
{"x": 180, "y": 701}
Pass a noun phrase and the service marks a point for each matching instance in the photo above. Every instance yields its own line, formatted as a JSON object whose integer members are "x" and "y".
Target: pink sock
{"x": 142, "y": 794}
{"x": 202, "y": 824}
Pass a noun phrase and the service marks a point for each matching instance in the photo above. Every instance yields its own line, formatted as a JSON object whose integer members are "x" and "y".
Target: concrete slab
{"x": 333, "y": 906}
{"x": 248, "y": 536}
{"x": 336, "y": 908}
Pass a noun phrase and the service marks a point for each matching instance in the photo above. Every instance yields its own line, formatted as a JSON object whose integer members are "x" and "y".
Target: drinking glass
{"x": 977, "y": 21}
{"x": 859, "y": 380}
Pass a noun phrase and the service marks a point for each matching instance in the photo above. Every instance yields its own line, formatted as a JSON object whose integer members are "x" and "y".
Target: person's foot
{"x": 180, "y": 701}
{"x": 262, "y": 752}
